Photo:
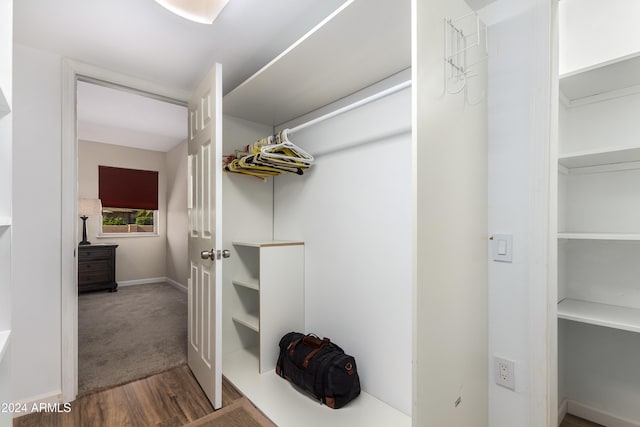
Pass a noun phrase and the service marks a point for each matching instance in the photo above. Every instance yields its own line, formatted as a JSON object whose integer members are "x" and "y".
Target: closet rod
{"x": 357, "y": 104}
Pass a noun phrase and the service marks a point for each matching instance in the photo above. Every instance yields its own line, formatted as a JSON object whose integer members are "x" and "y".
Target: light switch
{"x": 502, "y": 247}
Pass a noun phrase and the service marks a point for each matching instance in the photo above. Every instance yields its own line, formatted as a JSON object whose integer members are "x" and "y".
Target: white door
{"x": 205, "y": 235}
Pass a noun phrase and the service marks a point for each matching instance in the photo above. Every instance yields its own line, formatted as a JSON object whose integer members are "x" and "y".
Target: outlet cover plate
{"x": 504, "y": 372}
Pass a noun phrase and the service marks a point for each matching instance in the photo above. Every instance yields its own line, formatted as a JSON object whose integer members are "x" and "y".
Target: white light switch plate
{"x": 502, "y": 247}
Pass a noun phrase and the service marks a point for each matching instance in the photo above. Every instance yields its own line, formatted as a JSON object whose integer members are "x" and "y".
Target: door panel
{"x": 205, "y": 305}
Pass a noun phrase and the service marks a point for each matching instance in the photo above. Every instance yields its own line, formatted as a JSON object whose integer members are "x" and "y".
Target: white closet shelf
{"x": 268, "y": 243}
{"x": 250, "y": 283}
{"x": 328, "y": 63}
{"x": 5, "y": 221}
{"x": 610, "y": 316}
{"x": 4, "y": 342}
{"x": 249, "y": 320}
{"x": 599, "y": 236}
{"x": 609, "y": 76}
{"x": 286, "y": 406}
{"x": 602, "y": 157}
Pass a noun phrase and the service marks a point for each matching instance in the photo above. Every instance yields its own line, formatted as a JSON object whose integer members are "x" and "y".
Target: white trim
{"x": 71, "y": 70}
{"x": 597, "y": 416}
{"x": 176, "y": 284}
{"x": 563, "y": 410}
{"x": 142, "y": 281}
{"x": 52, "y": 397}
{"x": 69, "y": 237}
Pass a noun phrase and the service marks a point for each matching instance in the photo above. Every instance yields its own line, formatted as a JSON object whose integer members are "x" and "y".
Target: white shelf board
{"x": 5, "y": 221}
{"x": 249, "y": 320}
{"x": 361, "y": 43}
{"x": 286, "y": 406}
{"x": 268, "y": 243}
{"x": 610, "y": 316}
{"x": 599, "y": 236}
{"x": 251, "y": 283}
{"x": 609, "y": 76}
{"x": 610, "y": 156}
{"x": 4, "y": 341}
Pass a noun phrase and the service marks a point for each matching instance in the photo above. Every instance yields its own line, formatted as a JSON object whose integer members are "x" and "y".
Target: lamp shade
{"x": 202, "y": 11}
{"x": 89, "y": 207}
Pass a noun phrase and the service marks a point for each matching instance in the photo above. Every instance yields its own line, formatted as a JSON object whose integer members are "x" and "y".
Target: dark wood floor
{"x": 169, "y": 399}
{"x": 573, "y": 421}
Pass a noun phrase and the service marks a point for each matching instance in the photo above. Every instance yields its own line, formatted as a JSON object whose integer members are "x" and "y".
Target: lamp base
{"x": 84, "y": 231}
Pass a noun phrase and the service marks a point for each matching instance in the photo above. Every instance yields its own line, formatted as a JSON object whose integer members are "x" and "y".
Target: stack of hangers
{"x": 268, "y": 157}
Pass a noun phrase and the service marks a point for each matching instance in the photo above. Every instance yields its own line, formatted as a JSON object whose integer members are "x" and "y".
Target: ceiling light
{"x": 202, "y": 11}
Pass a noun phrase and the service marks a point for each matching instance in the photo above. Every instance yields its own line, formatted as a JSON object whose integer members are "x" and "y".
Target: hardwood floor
{"x": 573, "y": 421}
{"x": 169, "y": 399}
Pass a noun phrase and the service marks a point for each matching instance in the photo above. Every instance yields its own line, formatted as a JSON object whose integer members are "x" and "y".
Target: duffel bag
{"x": 319, "y": 367}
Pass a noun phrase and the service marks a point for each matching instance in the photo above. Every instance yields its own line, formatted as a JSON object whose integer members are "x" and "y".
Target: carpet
{"x": 130, "y": 334}
{"x": 240, "y": 413}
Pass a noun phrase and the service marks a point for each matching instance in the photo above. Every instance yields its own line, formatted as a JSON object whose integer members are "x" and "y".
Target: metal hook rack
{"x": 463, "y": 50}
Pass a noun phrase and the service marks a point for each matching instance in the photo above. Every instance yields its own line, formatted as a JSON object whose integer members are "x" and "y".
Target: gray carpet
{"x": 130, "y": 334}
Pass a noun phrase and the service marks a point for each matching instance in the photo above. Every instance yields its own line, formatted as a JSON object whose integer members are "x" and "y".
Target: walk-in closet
{"x": 598, "y": 222}
{"x": 307, "y": 249}
{"x": 330, "y": 247}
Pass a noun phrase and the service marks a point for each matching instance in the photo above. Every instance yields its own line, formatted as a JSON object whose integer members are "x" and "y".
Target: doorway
{"x": 76, "y": 73}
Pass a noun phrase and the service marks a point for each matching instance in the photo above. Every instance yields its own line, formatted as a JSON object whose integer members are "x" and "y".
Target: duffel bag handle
{"x": 314, "y": 341}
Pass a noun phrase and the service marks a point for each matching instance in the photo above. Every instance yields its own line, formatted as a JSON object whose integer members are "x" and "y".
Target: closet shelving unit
{"x": 273, "y": 272}
{"x": 327, "y": 64}
{"x": 599, "y": 238}
{"x": 6, "y": 48}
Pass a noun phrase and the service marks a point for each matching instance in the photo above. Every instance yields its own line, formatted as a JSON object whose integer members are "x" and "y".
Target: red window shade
{"x": 128, "y": 188}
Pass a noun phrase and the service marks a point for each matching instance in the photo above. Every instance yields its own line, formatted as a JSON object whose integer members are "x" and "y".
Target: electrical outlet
{"x": 505, "y": 372}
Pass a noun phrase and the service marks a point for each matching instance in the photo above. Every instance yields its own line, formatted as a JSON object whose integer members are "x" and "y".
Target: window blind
{"x": 128, "y": 188}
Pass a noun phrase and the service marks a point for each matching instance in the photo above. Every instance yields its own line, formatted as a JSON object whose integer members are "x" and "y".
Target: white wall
{"x": 177, "y": 216}
{"x": 520, "y": 107}
{"x": 353, "y": 211}
{"x": 450, "y": 186}
{"x": 36, "y": 223}
{"x": 609, "y": 28}
{"x": 137, "y": 258}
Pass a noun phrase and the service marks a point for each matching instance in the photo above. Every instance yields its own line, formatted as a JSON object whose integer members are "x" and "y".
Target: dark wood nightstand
{"x": 97, "y": 268}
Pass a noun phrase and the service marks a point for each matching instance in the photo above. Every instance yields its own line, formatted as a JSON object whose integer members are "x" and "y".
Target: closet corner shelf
{"x": 609, "y": 316}
{"x": 268, "y": 243}
{"x": 4, "y": 341}
{"x": 611, "y": 156}
{"x": 599, "y": 236}
{"x": 5, "y": 221}
{"x": 250, "y": 283}
{"x": 249, "y": 320}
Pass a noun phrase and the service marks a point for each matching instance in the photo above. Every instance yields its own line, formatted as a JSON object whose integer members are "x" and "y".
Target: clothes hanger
{"x": 284, "y": 149}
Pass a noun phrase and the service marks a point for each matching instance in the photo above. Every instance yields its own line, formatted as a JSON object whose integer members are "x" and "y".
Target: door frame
{"x": 72, "y": 71}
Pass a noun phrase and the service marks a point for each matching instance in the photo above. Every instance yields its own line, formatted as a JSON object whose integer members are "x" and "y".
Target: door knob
{"x": 226, "y": 253}
{"x": 208, "y": 254}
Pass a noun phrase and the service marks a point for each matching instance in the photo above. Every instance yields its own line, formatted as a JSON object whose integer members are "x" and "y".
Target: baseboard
{"x": 176, "y": 285}
{"x": 50, "y": 402}
{"x": 563, "y": 410}
{"x": 597, "y": 416}
{"x": 142, "y": 281}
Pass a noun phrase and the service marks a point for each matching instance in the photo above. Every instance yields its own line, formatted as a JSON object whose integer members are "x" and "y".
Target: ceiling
{"x": 144, "y": 40}
{"x": 123, "y": 118}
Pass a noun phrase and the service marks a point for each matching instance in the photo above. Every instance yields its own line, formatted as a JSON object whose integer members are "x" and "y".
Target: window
{"x": 130, "y": 200}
